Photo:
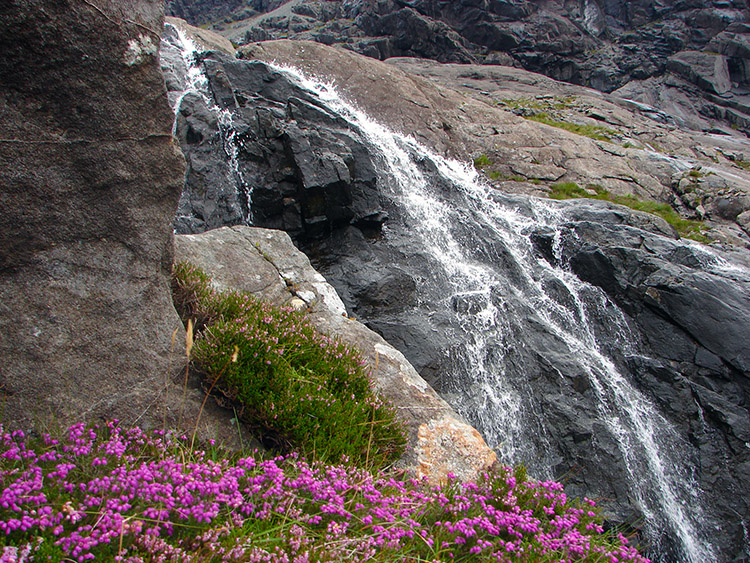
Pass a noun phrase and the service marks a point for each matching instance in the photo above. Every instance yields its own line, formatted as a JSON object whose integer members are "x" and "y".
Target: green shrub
{"x": 297, "y": 387}
{"x": 482, "y": 160}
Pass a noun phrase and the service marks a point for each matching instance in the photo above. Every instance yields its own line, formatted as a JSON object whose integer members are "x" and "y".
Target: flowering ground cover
{"x": 296, "y": 387}
{"x": 106, "y": 493}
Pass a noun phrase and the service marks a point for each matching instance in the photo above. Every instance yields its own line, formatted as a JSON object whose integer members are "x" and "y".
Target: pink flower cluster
{"x": 109, "y": 493}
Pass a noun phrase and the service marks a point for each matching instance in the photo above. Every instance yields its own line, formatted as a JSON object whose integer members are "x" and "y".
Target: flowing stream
{"x": 479, "y": 244}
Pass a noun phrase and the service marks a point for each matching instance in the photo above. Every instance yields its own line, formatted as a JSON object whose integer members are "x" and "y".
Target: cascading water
{"x": 499, "y": 404}
{"x": 195, "y": 82}
{"x": 498, "y": 291}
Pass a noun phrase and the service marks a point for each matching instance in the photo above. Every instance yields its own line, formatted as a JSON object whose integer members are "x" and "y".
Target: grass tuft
{"x": 298, "y": 388}
{"x": 482, "y": 160}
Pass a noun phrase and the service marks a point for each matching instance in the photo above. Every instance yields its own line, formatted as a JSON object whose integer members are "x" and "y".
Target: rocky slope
{"x": 305, "y": 168}
{"x": 602, "y": 44}
{"x": 207, "y": 11}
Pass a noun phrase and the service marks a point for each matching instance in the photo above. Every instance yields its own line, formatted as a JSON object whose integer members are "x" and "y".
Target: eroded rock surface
{"x": 266, "y": 263}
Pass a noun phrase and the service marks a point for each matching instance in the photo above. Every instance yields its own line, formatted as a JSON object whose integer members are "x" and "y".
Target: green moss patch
{"x": 685, "y": 227}
{"x": 593, "y": 131}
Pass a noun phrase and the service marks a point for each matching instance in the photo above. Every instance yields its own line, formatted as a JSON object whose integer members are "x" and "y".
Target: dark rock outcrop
{"x": 602, "y": 44}
{"x": 708, "y": 71}
{"x": 207, "y": 11}
{"x": 692, "y": 310}
{"x": 304, "y": 169}
{"x": 90, "y": 180}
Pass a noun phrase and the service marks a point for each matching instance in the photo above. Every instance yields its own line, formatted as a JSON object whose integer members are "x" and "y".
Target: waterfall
{"x": 486, "y": 272}
{"x": 488, "y": 389}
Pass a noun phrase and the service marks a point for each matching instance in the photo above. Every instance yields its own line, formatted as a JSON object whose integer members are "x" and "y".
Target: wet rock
{"x": 306, "y": 171}
{"x": 694, "y": 319}
{"x": 206, "y": 40}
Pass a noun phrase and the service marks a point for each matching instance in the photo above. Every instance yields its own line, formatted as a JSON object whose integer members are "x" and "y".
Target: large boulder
{"x": 90, "y": 180}
{"x": 707, "y": 70}
{"x": 266, "y": 263}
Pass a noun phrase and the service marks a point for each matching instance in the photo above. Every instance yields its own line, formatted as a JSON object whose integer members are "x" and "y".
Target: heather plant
{"x": 300, "y": 389}
{"x": 104, "y": 493}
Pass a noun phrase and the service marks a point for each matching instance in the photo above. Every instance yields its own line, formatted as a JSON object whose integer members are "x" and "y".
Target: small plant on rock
{"x": 482, "y": 160}
{"x": 300, "y": 389}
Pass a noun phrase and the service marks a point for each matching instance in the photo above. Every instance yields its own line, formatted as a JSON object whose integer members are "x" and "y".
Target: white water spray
{"x": 663, "y": 488}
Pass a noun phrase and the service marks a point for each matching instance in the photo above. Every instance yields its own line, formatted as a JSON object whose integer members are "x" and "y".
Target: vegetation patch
{"x": 685, "y": 227}
{"x": 543, "y": 104}
{"x": 593, "y": 131}
{"x": 298, "y": 388}
{"x": 104, "y": 493}
{"x": 482, "y": 160}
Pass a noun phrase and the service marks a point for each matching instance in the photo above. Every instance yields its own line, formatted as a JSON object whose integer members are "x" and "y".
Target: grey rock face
{"x": 267, "y": 264}
{"x": 203, "y": 11}
{"x": 303, "y": 168}
{"x": 90, "y": 180}
{"x": 710, "y": 72}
